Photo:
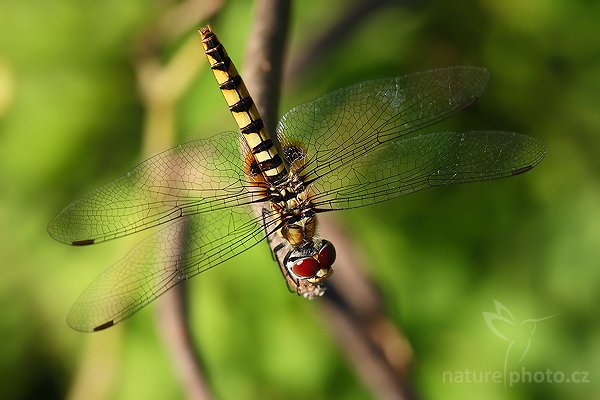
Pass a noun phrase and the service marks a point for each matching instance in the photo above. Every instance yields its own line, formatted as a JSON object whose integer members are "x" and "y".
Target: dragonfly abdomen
{"x": 286, "y": 192}
{"x": 243, "y": 109}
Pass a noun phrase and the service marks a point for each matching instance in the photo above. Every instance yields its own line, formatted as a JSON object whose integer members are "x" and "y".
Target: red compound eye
{"x": 306, "y": 267}
{"x": 327, "y": 254}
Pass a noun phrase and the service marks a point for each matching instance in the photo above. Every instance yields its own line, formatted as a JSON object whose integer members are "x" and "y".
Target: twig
{"x": 264, "y": 57}
{"x": 352, "y": 309}
{"x": 161, "y": 87}
{"x": 333, "y": 36}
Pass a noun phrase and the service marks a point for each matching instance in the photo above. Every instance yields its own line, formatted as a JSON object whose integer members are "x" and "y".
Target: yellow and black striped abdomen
{"x": 243, "y": 109}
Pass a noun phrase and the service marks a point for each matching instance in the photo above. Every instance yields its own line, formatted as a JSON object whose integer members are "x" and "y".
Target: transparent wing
{"x": 182, "y": 249}
{"x": 348, "y": 123}
{"x": 415, "y": 163}
{"x": 196, "y": 177}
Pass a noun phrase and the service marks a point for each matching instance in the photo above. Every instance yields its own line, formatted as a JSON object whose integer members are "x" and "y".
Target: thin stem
{"x": 161, "y": 87}
{"x": 352, "y": 310}
{"x": 264, "y": 58}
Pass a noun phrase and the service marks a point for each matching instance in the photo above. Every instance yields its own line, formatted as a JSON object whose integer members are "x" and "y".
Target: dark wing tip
{"x": 522, "y": 170}
{"x": 84, "y": 242}
{"x": 470, "y": 102}
{"x": 104, "y": 325}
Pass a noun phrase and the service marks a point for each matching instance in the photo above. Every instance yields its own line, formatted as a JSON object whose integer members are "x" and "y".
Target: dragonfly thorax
{"x": 291, "y": 201}
{"x": 309, "y": 259}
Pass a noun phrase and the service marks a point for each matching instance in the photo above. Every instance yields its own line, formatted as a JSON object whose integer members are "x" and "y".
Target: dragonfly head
{"x": 312, "y": 262}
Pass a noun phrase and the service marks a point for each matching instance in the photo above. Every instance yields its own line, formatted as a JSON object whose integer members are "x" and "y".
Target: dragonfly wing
{"x": 348, "y": 123}
{"x": 196, "y": 177}
{"x": 415, "y": 163}
{"x": 180, "y": 250}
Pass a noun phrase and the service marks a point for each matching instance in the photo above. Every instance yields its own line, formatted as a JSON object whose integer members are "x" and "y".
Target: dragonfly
{"x": 211, "y": 199}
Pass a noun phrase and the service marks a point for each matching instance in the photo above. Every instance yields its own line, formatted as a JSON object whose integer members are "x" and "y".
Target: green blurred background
{"x": 71, "y": 118}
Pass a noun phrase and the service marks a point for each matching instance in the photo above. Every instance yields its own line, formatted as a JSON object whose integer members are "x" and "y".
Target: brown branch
{"x": 355, "y": 313}
{"x": 353, "y": 310}
{"x": 173, "y": 324}
{"x": 161, "y": 87}
{"x": 336, "y": 33}
{"x": 264, "y": 58}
